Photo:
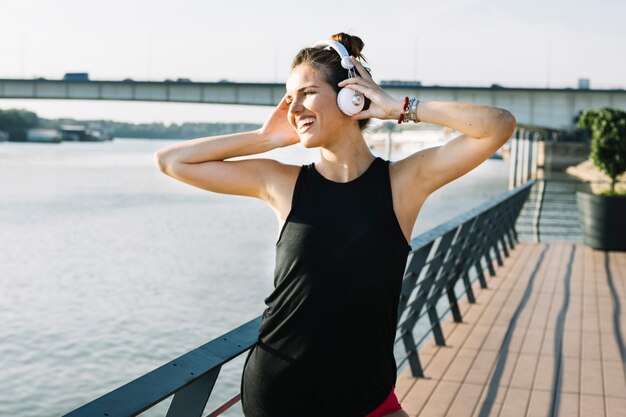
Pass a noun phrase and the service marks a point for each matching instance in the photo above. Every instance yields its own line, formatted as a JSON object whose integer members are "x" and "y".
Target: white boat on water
{"x": 43, "y": 135}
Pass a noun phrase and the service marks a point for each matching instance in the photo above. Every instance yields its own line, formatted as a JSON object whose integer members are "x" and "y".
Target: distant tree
{"x": 608, "y": 140}
{"x": 17, "y": 119}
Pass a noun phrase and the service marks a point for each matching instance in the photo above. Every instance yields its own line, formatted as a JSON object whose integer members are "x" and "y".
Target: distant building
{"x": 73, "y": 133}
{"x": 79, "y": 133}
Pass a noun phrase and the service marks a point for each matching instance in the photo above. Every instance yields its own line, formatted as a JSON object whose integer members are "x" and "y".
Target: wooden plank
{"x": 569, "y": 405}
{"x": 614, "y": 380}
{"x": 420, "y": 392}
{"x": 545, "y": 373}
{"x": 592, "y": 406}
{"x": 615, "y": 407}
{"x": 491, "y": 407}
{"x": 524, "y": 371}
{"x": 458, "y": 369}
{"x": 570, "y": 382}
{"x": 539, "y": 404}
{"x": 465, "y": 400}
{"x": 515, "y": 402}
{"x": 440, "y": 400}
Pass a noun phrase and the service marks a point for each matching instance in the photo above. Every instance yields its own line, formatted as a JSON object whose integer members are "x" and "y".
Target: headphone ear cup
{"x": 349, "y": 101}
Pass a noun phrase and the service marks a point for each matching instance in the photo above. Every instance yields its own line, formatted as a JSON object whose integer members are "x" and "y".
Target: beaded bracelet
{"x": 405, "y": 107}
{"x": 409, "y": 111}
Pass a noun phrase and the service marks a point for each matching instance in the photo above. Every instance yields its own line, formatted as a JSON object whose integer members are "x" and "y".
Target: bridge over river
{"x": 553, "y": 108}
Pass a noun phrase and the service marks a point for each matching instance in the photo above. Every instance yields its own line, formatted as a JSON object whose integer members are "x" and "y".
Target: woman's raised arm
{"x": 202, "y": 162}
{"x": 485, "y": 129}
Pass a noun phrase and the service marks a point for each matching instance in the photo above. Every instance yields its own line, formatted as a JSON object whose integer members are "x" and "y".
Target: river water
{"x": 109, "y": 268}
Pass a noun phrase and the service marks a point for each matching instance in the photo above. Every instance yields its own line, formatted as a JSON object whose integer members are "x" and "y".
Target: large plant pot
{"x": 603, "y": 221}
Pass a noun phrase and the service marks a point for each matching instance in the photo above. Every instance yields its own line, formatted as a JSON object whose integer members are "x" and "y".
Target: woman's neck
{"x": 345, "y": 160}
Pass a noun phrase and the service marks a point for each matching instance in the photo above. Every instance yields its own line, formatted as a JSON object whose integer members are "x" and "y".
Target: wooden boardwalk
{"x": 545, "y": 339}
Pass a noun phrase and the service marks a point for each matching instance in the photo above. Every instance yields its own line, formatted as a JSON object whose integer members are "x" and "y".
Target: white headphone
{"x": 349, "y": 101}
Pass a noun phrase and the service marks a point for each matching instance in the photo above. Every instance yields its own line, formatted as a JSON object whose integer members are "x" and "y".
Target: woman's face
{"x": 311, "y": 98}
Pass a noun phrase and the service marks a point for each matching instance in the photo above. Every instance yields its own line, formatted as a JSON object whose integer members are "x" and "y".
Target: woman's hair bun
{"x": 353, "y": 44}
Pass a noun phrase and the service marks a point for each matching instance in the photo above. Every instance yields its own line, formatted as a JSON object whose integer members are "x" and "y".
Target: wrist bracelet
{"x": 414, "y": 104}
{"x": 410, "y": 112}
{"x": 405, "y": 109}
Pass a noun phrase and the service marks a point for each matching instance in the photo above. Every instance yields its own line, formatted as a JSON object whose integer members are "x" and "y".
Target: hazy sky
{"x": 471, "y": 42}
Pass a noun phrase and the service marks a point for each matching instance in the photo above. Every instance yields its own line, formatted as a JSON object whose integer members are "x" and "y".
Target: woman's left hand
{"x": 382, "y": 105}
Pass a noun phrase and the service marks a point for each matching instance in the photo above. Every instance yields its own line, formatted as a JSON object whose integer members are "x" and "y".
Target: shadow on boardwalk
{"x": 545, "y": 339}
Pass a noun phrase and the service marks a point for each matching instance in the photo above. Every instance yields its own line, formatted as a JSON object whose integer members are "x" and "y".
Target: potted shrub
{"x": 603, "y": 213}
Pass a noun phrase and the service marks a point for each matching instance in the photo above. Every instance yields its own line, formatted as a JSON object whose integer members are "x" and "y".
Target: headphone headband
{"x": 349, "y": 101}
{"x": 340, "y": 49}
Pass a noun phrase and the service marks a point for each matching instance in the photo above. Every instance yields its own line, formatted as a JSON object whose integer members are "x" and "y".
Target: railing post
{"x": 541, "y": 185}
{"x": 517, "y": 204}
{"x": 510, "y": 215}
{"x": 474, "y": 239}
{"x": 414, "y": 358}
{"x": 414, "y": 269}
{"x": 432, "y": 290}
{"x": 409, "y": 283}
{"x": 520, "y": 158}
{"x": 525, "y": 157}
{"x": 535, "y": 153}
{"x": 513, "y": 159}
{"x": 491, "y": 243}
{"x": 436, "y": 326}
{"x": 191, "y": 400}
{"x": 445, "y": 250}
{"x": 460, "y": 266}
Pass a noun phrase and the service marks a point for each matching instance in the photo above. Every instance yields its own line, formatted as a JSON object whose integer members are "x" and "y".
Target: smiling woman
{"x": 325, "y": 64}
{"x": 344, "y": 226}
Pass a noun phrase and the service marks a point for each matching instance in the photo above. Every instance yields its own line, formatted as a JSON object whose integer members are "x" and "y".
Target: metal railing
{"x": 524, "y": 149}
{"x": 442, "y": 260}
{"x": 551, "y": 213}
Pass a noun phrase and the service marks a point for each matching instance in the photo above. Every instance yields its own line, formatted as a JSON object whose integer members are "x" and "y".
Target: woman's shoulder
{"x": 281, "y": 187}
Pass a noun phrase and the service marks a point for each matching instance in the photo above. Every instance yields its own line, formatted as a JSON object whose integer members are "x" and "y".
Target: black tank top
{"x": 325, "y": 345}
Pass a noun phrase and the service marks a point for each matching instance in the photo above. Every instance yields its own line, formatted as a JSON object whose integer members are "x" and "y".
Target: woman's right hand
{"x": 277, "y": 128}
